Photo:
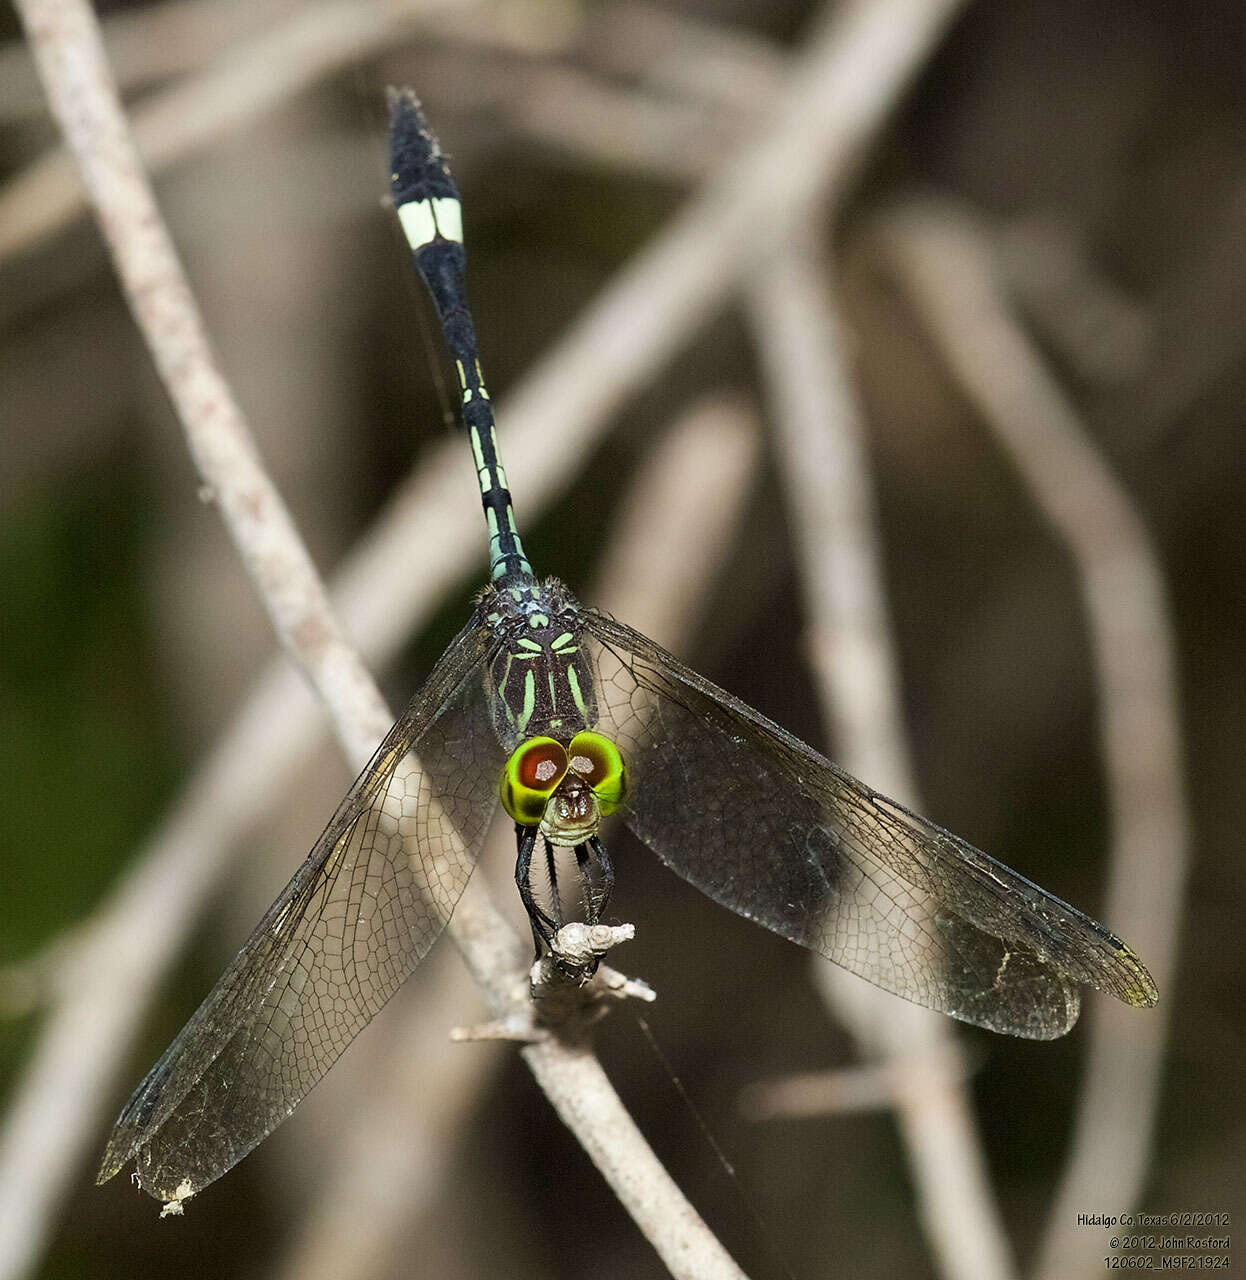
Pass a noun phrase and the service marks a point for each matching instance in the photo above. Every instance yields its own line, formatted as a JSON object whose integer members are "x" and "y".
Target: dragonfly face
{"x": 563, "y": 791}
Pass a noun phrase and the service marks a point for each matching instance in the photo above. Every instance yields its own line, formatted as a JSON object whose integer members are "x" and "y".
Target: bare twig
{"x": 240, "y": 84}
{"x": 944, "y": 263}
{"x": 819, "y": 428}
{"x": 73, "y": 66}
{"x": 834, "y": 102}
{"x": 571, "y": 989}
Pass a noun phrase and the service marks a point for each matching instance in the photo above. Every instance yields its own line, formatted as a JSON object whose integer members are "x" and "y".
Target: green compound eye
{"x": 535, "y": 768}
{"x": 598, "y": 762}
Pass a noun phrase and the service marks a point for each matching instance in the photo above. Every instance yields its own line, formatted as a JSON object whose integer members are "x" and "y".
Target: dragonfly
{"x": 564, "y": 716}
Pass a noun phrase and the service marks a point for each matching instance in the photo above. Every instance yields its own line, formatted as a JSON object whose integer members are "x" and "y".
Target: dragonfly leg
{"x": 607, "y": 873}
{"x": 592, "y": 850}
{"x": 542, "y": 925}
{"x": 551, "y": 867}
{"x": 584, "y": 862}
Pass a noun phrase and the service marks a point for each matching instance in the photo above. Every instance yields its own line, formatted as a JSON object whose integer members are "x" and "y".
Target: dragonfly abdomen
{"x": 428, "y": 206}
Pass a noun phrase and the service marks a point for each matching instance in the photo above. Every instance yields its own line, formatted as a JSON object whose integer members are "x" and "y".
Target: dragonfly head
{"x": 563, "y": 790}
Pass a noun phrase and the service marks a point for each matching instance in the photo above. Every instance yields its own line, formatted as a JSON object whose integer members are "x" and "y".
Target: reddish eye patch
{"x": 531, "y": 775}
{"x": 542, "y": 765}
{"x": 597, "y": 760}
{"x": 537, "y": 767}
{"x": 590, "y": 759}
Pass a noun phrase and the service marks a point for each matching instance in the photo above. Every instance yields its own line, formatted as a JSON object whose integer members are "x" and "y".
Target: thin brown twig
{"x": 73, "y": 66}
{"x": 819, "y": 427}
{"x": 944, "y": 262}
{"x": 835, "y": 100}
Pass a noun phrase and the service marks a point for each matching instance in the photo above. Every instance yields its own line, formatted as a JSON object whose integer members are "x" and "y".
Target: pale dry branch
{"x": 835, "y": 101}
{"x": 72, "y": 63}
{"x": 943, "y": 260}
{"x": 663, "y": 50}
{"x": 47, "y": 195}
{"x": 820, "y": 433}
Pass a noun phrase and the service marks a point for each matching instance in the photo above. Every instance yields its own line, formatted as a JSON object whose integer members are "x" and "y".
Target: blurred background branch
{"x": 819, "y": 435}
{"x": 944, "y": 261}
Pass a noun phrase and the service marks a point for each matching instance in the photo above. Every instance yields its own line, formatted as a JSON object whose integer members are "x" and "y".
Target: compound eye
{"x": 598, "y": 761}
{"x": 532, "y": 773}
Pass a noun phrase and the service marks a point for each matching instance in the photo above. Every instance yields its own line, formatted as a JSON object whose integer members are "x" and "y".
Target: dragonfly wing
{"x": 768, "y": 827}
{"x": 360, "y": 913}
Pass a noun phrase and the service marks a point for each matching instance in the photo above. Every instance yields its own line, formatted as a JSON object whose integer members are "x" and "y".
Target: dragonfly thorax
{"x": 541, "y": 680}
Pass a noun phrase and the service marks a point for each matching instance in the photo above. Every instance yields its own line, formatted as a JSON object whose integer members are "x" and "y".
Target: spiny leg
{"x": 542, "y": 925}
{"x": 584, "y": 862}
{"x": 607, "y": 873}
{"x": 551, "y": 867}
{"x": 585, "y": 854}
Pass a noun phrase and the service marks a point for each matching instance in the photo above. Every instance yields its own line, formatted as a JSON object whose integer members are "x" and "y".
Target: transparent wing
{"x": 766, "y": 826}
{"x": 358, "y": 916}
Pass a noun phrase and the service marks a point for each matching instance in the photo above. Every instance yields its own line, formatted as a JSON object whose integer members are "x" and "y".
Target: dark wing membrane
{"x": 766, "y": 826}
{"x": 358, "y": 916}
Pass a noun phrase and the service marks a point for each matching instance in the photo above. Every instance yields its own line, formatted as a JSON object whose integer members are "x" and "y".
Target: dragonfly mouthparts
{"x": 572, "y": 813}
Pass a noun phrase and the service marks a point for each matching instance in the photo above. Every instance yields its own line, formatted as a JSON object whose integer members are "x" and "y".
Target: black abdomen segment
{"x": 427, "y": 202}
